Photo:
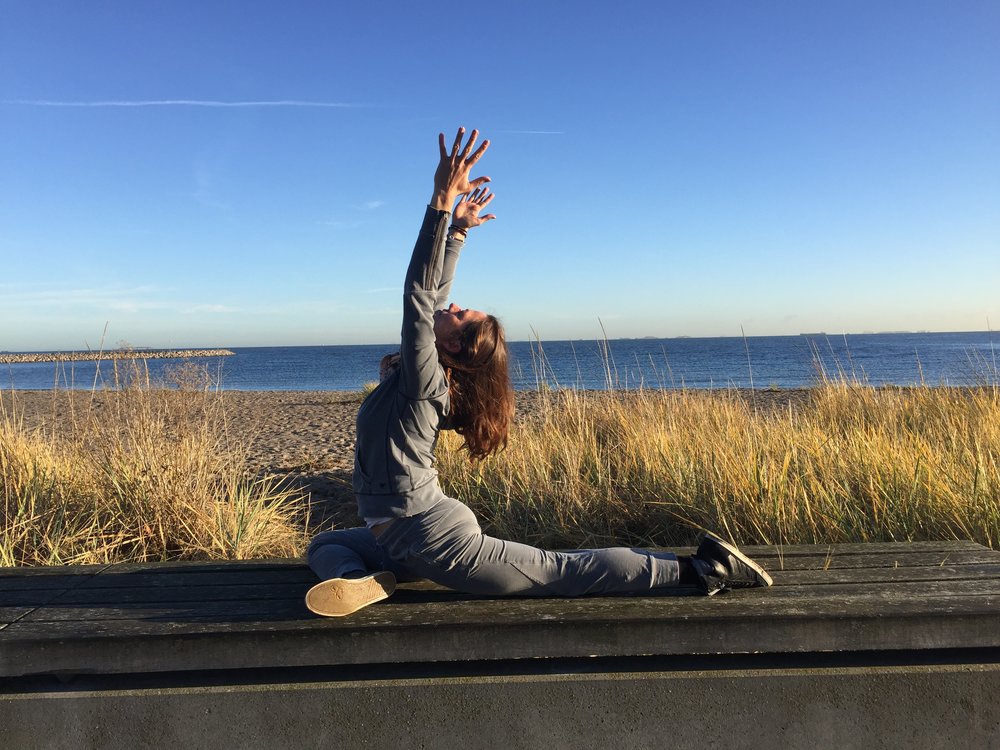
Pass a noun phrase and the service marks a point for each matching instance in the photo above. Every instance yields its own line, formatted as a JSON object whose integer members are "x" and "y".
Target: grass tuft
{"x": 143, "y": 473}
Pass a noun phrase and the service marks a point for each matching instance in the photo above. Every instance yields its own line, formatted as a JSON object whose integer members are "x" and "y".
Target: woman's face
{"x": 449, "y": 324}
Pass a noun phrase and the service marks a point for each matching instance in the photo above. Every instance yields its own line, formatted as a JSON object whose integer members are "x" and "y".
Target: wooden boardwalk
{"x": 174, "y": 617}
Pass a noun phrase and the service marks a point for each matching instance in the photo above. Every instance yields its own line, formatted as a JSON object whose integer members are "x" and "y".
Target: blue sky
{"x": 253, "y": 173}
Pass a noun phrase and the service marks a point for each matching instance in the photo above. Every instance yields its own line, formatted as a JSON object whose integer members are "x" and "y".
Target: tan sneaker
{"x": 342, "y": 596}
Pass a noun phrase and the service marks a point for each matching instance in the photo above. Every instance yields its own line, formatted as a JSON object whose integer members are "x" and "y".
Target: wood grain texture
{"x": 148, "y": 617}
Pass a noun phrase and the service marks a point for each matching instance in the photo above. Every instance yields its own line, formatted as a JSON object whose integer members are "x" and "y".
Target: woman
{"x": 451, "y": 373}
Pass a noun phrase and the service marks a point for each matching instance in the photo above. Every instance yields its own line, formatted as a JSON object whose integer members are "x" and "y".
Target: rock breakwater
{"x": 7, "y": 358}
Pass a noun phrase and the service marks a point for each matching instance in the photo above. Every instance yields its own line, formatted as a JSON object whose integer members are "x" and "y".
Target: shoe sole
{"x": 343, "y": 596}
{"x": 765, "y": 579}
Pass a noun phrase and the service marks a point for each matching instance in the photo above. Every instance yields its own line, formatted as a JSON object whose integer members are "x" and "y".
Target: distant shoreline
{"x": 113, "y": 354}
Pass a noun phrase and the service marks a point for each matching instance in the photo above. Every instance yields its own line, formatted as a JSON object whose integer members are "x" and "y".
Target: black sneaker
{"x": 723, "y": 566}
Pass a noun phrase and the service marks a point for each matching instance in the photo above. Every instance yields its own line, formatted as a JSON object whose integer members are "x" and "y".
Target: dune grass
{"x": 853, "y": 463}
{"x": 143, "y": 473}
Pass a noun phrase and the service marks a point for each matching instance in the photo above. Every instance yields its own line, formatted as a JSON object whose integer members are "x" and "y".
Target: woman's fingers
{"x": 480, "y": 196}
{"x": 468, "y": 146}
{"x": 479, "y": 151}
{"x": 469, "y": 160}
{"x": 458, "y": 142}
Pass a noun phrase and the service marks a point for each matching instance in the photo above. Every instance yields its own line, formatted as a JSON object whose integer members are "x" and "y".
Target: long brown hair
{"x": 482, "y": 397}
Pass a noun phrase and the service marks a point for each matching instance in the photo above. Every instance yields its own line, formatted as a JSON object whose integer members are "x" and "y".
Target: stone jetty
{"x": 7, "y": 358}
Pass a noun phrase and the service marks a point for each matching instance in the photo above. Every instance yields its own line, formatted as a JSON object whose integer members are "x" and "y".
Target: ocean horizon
{"x": 791, "y": 361}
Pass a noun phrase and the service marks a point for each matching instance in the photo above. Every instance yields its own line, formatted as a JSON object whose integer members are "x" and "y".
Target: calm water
{"x": 782, "y": 361}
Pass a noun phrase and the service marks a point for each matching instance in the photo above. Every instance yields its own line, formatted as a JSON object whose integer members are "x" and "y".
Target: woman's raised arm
{"x": 431, "y": 268}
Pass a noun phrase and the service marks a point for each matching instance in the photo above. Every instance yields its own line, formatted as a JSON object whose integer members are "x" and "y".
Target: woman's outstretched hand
{"x": 452, "y": 176}
{"x": 467, "y": 211}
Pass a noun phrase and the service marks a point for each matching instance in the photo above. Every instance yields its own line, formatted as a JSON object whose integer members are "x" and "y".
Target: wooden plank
{"x": 495, "y": 634}
{"x": 898, "y": 560}
{"x": 173, "y": 578}
{"x": 132, "y": 616}
{"x": 37, "y": 583}
{"x": 835, "y": 576}
{"x": 901, "y": 552}
{"x": 289, "y": 615}
{"x": 172, "y": 574}
{"x": 127, "y": 596}
{"x": 241, "y": 612}
{"x": 824, "y": 583}
{"x": 50, "y": 570}
{"x": 203, "y": 566}
{"x": 30, "y": 598}
{"x": 126, "y": 600}
{"x": 11, "y": 614}
{"x": 862, "y": 548}
{"x": 877, "y": 592}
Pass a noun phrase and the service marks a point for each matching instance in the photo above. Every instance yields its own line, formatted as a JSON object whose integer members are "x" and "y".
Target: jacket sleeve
{"x": 426, "y": 282}
{"x": 452, "y": 249}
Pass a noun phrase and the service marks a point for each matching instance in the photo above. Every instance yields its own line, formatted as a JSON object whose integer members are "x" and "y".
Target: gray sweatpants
{"x": 446, "y": 545}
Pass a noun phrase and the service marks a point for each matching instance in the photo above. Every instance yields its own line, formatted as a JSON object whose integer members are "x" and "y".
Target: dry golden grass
{"x": 852, "y": 464}
{"x": 152, "y": 475}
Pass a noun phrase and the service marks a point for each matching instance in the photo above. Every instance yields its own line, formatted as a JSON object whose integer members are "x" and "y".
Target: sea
{"x": 955, "y": 359}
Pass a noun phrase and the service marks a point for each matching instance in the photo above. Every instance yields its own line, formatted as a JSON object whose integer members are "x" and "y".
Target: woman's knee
{"x": 358, "y": 540}
{"x": 320, "y": 540}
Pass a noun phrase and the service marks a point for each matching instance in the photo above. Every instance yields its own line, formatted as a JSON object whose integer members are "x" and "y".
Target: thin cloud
{"x": 123, "y": 300}
{"x": 353, "y": 223}
{"x": 341, "y": 224}
{"x": 213, "y": 309}
{"x": 181, "y": 103}
{"x": 108, "y": 297}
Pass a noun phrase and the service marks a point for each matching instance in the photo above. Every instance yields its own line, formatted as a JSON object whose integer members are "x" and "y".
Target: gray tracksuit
{"x": 434, "y": 536}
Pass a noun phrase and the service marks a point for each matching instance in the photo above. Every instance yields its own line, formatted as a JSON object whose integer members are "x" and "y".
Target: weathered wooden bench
{"x": 856, "y": 644}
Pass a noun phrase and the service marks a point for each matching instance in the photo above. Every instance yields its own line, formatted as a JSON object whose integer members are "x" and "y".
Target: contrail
{"x": 179, "y": 103}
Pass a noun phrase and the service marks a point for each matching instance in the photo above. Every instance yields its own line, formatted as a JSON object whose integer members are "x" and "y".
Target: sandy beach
{"x": 307, "y": 435}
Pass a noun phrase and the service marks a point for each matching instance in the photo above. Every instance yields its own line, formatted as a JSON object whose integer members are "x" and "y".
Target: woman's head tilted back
{"x": 482, "y": 397}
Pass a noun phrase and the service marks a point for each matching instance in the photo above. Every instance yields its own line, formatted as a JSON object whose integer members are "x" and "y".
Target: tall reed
{"x": 138, "y": 472}
{"x": 850, "y": 463}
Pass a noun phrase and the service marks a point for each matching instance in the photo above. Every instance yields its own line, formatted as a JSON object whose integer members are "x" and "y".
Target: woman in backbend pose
{"x": 451, "y": 373}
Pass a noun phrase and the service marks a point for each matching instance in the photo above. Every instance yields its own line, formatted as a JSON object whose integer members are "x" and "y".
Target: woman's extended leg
{"x": 447, "y": 546}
